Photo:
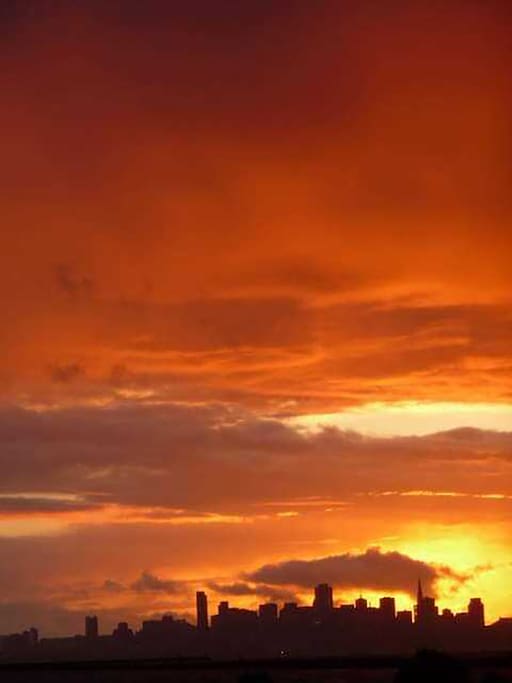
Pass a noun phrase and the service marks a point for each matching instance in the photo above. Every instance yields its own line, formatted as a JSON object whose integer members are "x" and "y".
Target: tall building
{"x": 122, "y": 631}
{"x": 476, "y": 612}
{"x": 387, "y": 608}
{"x": 361, "y": 604}
{"x": 425, "y": 608}
{"x": 202, "y": 610}
{"x": 323, "y": 597}
{"x": 91, "y": 627}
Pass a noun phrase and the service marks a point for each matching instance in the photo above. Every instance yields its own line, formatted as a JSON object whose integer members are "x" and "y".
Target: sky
{"x": 256, "y": 286}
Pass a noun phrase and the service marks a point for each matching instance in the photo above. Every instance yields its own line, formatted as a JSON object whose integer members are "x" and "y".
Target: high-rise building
{"x": 323, "y": 597}
{"x": 425, "y": 608}
{"x": 91, "y": 627}
{"x": 476, "y": 612}
{"x": 387, "y": 608}
{"x": 223, "y": 607}
{"x": 361, "y": 604}
{"x": 122, "y": 631}
{"x": 202, "y": 611}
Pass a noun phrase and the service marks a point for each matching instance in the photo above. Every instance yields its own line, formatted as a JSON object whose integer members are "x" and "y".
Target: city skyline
{"x": 325, "y": 626}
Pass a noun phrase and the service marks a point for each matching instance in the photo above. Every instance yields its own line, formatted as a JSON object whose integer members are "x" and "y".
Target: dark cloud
{"x": 113, "y": 586}
{"x": 374, "y": 569}
{"x": 66, "y": 372}
{"x": 207, "y": 324}
{"x": 177, "y": 459}
{"x": 72, "y": 283}
{"x": 150, "y": 583}
{"x": 26, "y": 504}
{"x": 240, "y": 588}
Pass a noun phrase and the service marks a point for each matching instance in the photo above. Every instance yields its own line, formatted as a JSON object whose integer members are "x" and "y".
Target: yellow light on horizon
{"x": 410, "y": 418}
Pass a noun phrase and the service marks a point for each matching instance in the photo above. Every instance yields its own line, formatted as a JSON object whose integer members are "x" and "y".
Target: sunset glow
{"x": 407, "y": 418}
{"x": 257, "y": 303}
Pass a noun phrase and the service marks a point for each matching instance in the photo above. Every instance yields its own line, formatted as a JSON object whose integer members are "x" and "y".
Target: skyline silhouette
{"x": 292, "y": 630}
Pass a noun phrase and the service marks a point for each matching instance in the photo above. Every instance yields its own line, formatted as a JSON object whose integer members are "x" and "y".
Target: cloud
{"x": 72, "y": 283}
{"x": 66, "y": 372}
{"x": 24, "y": 503}
{"x": 150, "y": 583}
{"x": 113, "y": 586}
{"x": 240, "y": 588}
{"x": 200, "y": 304}
{"x": 373, "y": 569}
{"x": 189, "y": 461}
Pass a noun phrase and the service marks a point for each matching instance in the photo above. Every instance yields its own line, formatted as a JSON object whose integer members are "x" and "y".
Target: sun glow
{"x": 410, "y": 418}
{"x": 477, "y": 552}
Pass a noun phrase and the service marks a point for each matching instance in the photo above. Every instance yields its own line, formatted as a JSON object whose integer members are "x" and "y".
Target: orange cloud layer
{"x": 265, "y": 228}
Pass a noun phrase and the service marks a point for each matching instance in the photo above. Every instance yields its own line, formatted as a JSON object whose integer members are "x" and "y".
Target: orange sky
{"x": 255, "y": 271}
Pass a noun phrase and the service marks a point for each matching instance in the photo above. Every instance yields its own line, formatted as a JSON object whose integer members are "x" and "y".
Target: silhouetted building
{"x": 20, "y": 644}
{"x": 361, "y": 604}
{"x": 476, "y": 613}
{"x": 32, "y": 636}
{"x": 323, "y": 601}
{"x": 202, "y": 611}
{"x": 426, "y": 610}
{"x": 91, "y": 627}
{"x": 387, "y": 608}
{"x": 122, "y": 631}
{"x": 268, "y": 614}
{"x": 234, "y": 617}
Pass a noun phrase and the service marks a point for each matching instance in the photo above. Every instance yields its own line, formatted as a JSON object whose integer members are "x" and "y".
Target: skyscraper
{"x": 323, "y": 597}
{"x": 202, "y": 610}
{"x": 476, "y": 612}
{"x": 91, "y": 627}
{"x": 387, "y": 608}
{"x": 419, "y": 608}
{"x": 426, "y": 610}
{"x": 361, "y": 604}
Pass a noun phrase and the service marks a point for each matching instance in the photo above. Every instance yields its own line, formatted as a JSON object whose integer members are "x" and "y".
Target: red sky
{"x": 256, "y": 287}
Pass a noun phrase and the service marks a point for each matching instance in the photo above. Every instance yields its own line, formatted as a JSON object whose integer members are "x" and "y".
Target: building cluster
{"x": 319, "y": 629}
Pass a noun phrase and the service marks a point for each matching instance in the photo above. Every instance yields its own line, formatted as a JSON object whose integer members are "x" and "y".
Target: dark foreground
{"x": 423, "y": 667}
